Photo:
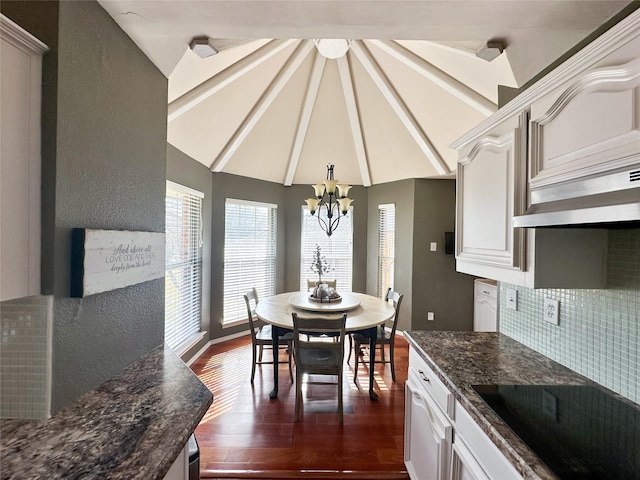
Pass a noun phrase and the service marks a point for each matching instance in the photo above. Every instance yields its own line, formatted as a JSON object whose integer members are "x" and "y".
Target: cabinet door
{"x": 180, "y": 468}
{"x": 428, "y": 434}
{"x": 475, "y": 456}
{"x": 585, "y": 128}
{"x": 20, "y": 76}
{"x": 463, "y": 464}
{"x": 491, "y": 190}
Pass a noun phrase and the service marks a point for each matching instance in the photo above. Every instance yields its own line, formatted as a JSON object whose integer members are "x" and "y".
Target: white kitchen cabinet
{"x": 20, "y": 94}
{"x": 581, "y": 166}
{"x": 485, "y": 305}
{"x": 475, "y": 456}
{"x": 428, "y": 430}
{"x": 442, "y": 441}
{"x": 180, "y": 468}
{"x": 586, "y": 127}
{"x": 464, "y": 465}
{"x": 490, "y": 191}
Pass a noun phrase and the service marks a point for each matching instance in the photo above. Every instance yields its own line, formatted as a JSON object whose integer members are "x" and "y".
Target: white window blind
{"x": 386, "y": 247}
{"x": 183, "y": 264}
{"x": 249, "y": 254}
{"x": 338, "y": 250}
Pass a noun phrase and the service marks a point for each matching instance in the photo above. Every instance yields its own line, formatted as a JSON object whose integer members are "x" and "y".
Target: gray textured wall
{"x": 437, "y": 287}
{"x": 289, "y": 201}
{"x": 104, "y": 166}
{"x": 243, "y": 188}
{"x": 217, "y": 187}
{"x": 401, "y": 194}
{"x": 425, "y": 209}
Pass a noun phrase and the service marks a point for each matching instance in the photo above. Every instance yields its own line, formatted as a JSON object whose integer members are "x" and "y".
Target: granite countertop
{"x": 463, "y": 359}
{"x": 132, "y": 426}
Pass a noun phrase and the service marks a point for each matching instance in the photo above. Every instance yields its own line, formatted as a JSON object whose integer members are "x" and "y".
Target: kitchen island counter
{"x": 132, "y": 426}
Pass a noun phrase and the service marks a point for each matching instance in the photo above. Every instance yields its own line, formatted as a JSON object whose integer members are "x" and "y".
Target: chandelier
{"x": 333, "y": 198}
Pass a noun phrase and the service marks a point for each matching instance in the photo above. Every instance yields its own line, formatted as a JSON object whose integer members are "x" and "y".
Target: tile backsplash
{"x": 25, "y": 357}
{"x": 599, "y": 330}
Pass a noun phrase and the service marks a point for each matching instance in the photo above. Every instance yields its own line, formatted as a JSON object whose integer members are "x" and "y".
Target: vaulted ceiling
{"x": 270, "y": 106}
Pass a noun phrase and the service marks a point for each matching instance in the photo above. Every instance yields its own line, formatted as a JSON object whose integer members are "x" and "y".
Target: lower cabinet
{"x": 441, "y": 440}
{"x": 475, "y": 455}
{"x": 180, "y": 468}
{"x": 428, "y": 432}
{"x": 464, "y": 465}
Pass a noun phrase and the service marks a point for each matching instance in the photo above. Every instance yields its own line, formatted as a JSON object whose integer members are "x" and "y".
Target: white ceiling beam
{"x": 354, "y": 119}
{"x": 261, "y": 106}
{"x": 193, "y": 97}
{"x": 406, "y": 117}
{"x": 305, "y": 117}
{"x": 432, "y": 73}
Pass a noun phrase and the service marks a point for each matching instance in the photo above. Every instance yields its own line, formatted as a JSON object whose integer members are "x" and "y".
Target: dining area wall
{"x": 425, "y": 209}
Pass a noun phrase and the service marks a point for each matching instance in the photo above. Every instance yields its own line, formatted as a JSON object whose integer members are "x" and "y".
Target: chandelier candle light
{"x": 333, "y": 197}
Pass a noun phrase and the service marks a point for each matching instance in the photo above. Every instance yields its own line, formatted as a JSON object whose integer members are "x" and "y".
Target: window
{"x": 249, "y": 254}
{"x": 183, "y": 265}
{"x": 386, "y": 247}
{"x": 338, "y": 250}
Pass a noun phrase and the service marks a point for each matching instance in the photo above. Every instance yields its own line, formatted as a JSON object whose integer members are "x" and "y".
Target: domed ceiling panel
{"x": 203, "y": 131}
{"x": 269, "y": 107}
{"x": 328, "y": 139}
{"x": 192, "y": 70}
{"x": 479, "y": 75}
{"x": 392, "y": 153}
{"x": 265, "y": 151}
{"x": 441, "y": 115}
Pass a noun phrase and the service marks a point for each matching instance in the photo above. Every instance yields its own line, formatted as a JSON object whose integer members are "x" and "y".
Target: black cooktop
{"x": 579, "y": 431}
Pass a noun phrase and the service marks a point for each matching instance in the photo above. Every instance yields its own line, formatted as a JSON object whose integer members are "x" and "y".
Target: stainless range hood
{"x": 603, "y": 199}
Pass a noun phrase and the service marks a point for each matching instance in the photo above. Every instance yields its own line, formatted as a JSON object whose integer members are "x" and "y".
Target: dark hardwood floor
{"x": 244, "y": 434}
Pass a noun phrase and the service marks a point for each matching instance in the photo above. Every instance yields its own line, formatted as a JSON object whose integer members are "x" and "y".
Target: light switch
{"x": 431, "y": 316}
{"x": 434, "y": 246}
{"x": 512, "y": 299}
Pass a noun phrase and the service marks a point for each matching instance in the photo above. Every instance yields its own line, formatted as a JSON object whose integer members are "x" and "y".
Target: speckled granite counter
{"x": 132, "y": 426}
{"x": 463, "y": 359}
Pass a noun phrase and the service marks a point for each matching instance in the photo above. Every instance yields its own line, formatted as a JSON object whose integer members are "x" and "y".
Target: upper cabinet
{"x": 20, "y": 78}
{"x": 491, "y": 186}
{"x": 585, "y": 138}
{"x": 566, "y": 151}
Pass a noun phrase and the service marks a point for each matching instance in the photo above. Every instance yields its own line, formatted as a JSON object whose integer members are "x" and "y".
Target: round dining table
{"x": 364, "y": 314}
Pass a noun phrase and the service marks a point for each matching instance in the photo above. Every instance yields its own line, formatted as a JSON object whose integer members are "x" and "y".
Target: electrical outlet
{"x": 551, "y": 310}
{"x": 512, "y": 299}
{"x": 431, "y": 316}
{"x": 550, "y": 405}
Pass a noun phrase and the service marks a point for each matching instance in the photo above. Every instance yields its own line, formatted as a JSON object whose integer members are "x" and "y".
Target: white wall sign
{"x": 104, "y": 260}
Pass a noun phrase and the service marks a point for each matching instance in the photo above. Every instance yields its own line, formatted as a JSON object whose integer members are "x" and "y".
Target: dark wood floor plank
{"x": 244, "y": 434}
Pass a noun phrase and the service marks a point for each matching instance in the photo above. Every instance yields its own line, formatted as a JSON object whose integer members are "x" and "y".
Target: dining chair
{"x": 261, "y": 337}
{"x": 316, "y": 356}
{"x": 357, "y": 341}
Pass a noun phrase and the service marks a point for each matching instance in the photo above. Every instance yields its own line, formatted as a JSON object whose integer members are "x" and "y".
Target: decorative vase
{"x": 322, "y": 291}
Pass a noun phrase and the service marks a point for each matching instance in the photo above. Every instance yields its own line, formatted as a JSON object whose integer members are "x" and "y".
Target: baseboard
{"x": 213, "y": 342}
{"x": 303, "y": 474}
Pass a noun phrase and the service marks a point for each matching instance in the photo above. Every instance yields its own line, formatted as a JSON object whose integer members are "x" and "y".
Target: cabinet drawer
{"x": 419, "y": 369}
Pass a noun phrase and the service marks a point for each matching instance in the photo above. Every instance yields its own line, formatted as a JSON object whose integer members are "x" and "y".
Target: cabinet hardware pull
{"x": 424, "y": 377}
